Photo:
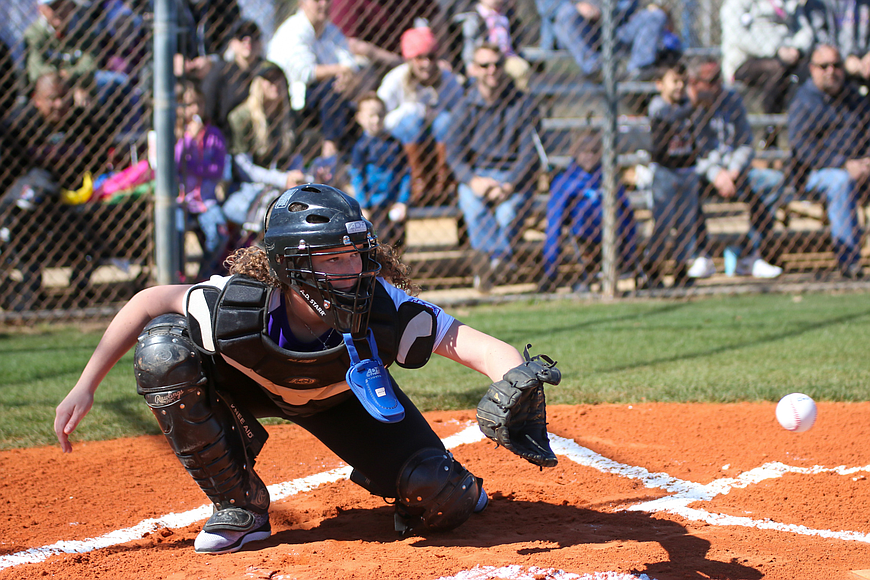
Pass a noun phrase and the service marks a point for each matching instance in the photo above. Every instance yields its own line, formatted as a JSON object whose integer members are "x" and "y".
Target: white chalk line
{"x": 684, "y": 493}
{"x": 688, "y": 492}
{"x": 277, "y": 492}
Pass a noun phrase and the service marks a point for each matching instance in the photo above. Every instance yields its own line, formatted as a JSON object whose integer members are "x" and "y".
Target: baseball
{"x": 796, "y": 412}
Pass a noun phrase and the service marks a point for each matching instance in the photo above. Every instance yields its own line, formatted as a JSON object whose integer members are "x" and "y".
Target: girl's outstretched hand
{"x": 68, "y": 415}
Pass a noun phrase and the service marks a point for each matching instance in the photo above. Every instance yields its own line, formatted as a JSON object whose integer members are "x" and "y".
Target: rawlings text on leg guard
{"x": 513, "y": 412}
{"x": 170, "y": 374}
{"x": 435, "y": 490}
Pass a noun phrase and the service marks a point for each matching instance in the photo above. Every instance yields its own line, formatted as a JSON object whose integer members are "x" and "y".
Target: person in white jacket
{"x": 765, "y": 44}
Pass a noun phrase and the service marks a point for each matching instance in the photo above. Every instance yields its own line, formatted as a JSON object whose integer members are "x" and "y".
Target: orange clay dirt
{"x": 804, "y": 516}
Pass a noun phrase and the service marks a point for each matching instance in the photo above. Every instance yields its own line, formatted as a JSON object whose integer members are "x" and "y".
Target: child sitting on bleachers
{"x": 575, "y": 201}
{"x": 675, "y": 185}
{"x": 200, "y": 155}
{"x": 379, "y": 172}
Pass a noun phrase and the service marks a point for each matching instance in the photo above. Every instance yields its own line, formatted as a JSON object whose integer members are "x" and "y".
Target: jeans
{"x": 412, "y": 128}
{"x": 641, "y": 34}
{"x": 493, "y": 228}
{"x": 211, "y": 222}
{"x": 838, "y": 191}
{"x": 676, "y": 206}
{"x": 238, "y": 204}
{"x": 573, "y": 32}
{"x": 763, "y": 192}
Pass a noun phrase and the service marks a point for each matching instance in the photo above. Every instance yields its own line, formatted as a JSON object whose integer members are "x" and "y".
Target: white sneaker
{"x": 757, "y": 269}
{"x": 228, "y": 530}
{"x": 702, "y": 268}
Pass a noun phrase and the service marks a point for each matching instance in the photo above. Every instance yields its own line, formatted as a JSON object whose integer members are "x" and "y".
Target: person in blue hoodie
{"x": 379, "y": 173}
{"x": 575, "y": 202}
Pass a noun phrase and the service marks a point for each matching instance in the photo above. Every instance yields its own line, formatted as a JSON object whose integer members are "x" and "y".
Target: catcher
{"x": 305, "y": 330}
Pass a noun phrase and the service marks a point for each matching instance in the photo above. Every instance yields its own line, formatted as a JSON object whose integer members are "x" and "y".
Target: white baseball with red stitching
{"x": 796, "y": 412}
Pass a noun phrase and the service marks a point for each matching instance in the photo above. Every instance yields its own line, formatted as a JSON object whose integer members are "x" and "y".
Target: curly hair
{"x": 253, "y": 262}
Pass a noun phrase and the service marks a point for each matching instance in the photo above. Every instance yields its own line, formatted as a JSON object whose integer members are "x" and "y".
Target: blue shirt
{"x": 379, "y": 171}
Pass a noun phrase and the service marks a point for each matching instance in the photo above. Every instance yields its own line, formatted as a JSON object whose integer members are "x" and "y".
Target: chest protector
{"x": 232, "y": 322}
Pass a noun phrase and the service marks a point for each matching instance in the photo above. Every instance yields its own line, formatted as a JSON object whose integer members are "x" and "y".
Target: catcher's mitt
{"x": 513, "y": 412}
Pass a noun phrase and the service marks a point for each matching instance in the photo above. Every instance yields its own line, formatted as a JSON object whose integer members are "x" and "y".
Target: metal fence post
{"x": 166, "y": 238}
{"x": 609, "y": 267}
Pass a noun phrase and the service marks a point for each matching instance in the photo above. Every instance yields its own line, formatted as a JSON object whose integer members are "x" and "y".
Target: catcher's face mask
{"x": 320, "y": 245}
{"x": 337, "y": 283}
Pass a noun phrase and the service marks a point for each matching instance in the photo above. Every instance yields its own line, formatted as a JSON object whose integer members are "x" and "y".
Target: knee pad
{"x": 198, "y": 426}
{"x": 437, "y": 490}
{"x": 166, "y": 360}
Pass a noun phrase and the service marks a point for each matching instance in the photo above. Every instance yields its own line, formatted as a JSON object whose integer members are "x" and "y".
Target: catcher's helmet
{"x": 316, "y": 220}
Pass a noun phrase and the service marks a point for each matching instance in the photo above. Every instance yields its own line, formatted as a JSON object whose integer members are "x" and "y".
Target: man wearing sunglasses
{"x": 491, "y": 150}
{"x": 827, "y": 123}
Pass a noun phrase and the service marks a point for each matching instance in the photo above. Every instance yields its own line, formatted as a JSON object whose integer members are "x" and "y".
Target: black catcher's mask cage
{"x": 319, "y": 220}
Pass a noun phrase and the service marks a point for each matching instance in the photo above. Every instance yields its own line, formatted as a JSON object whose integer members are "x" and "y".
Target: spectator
{"x": 645, "y": 33}
{"x": 675, "y": 185}
{"x": 575, "y": 202}
{"x": 54, "y": 146}
{"x": 492, "y": 153}
{"x": 126, "y": 38}
{"x": 379, "y": 173}
{"x": 827, "y": 129}
{"x": 418, "y": 96}
{"x": 381, "y": 22}
{"x": 207, "y": 26}
{"x": 81, "y": 41}
{"x": 487, "y": 23}
{"x": 205, "y": 29}
{"x": 724, "y": 144}
{"x": 57, "y": 136}
{"x": 846, "y": 27}
{"x": 263, "y": 142}
{"x": 320, "y": 66}
{"x": 123, "y": 63}
{"x": 200, "y": 154}
{"x": 766, "y": 44}
{"x": 226, "y": 84}
{"x": 263, "y": 13}
{"x": 63, "y": 39}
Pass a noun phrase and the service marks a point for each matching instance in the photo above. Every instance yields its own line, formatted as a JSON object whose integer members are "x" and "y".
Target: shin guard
{"x": 197, "y": 424}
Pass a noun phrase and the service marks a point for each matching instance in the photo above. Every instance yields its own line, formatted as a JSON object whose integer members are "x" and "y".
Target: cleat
{"x": 482, "y": 501}
{"x": 227, "y": 530}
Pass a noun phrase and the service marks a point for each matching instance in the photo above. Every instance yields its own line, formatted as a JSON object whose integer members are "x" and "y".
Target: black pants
{"x": 375, "y": 449}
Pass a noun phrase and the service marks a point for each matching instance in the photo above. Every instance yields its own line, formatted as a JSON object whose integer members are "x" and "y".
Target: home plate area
{"x": 642, "y": 491}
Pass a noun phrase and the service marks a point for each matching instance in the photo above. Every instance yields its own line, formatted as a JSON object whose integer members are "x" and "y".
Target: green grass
{"x": 722, "y": 349}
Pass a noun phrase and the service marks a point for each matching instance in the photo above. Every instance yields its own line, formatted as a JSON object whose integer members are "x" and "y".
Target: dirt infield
{"x": 662, "y": 490}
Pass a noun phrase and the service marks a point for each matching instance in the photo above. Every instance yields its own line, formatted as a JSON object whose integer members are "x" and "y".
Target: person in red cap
{"x": 418, "y": 96}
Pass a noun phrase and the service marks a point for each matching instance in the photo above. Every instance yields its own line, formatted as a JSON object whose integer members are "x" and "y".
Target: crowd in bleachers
{"x": 407, "y": 104}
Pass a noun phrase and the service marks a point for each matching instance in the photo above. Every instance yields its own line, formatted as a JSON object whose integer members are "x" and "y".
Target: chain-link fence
{"x": 473, "y": 134}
